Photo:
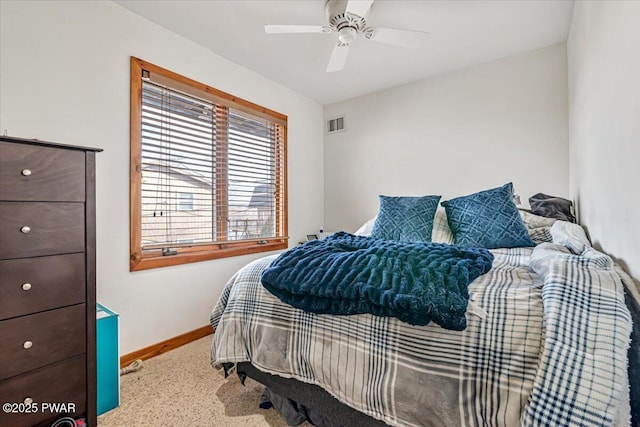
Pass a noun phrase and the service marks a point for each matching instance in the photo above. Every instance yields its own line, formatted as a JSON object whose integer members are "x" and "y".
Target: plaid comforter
{"x": 548, "y": 347}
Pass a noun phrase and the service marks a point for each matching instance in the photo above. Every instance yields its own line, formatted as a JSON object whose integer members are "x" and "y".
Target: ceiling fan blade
{"x": 338, "y": 58}
{"x": 287, "y": 29}
{"x": 405, "y": 38}
{"x": 359, "y": 7}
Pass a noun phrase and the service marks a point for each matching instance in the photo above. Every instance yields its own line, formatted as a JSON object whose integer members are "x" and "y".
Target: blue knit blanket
{"x": 346, "y": 274}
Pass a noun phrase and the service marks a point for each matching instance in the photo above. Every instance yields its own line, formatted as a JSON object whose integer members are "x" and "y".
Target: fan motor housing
{"x": 339, "y": 19}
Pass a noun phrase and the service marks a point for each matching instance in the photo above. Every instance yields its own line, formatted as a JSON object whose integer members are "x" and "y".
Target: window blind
{"x": 211, "y": 173}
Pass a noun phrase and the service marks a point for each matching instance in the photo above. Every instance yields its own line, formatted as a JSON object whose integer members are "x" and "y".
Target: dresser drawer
{"x": 30, "y": 285}
{"x": 35, "y": 173}
{"x": 63, "y": 382}
{"x": 38, "y": 228}
{"x": 29, "y": 342}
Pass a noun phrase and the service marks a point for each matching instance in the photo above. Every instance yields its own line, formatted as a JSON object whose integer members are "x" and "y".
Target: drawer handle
{"x": 27, "y": 344}
{"x": 26, "y": 172}
{"x": 27, "y": 401}
{"x": 25, "y": 229}
{"x": 26, "y": 286}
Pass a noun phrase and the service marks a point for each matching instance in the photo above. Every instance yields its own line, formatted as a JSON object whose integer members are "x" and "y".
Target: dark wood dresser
{"x": 47, "y": 282}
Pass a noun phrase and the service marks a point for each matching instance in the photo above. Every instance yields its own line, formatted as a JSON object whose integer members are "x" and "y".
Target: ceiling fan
{"x": 348, "y": 19}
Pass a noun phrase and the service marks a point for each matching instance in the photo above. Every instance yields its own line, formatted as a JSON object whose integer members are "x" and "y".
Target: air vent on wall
{"x": 335, "y": 125}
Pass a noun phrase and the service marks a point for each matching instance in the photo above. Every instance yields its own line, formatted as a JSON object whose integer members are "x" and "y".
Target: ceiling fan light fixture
{"x": 348, "y": 19}
{"x": 347, "y": 35}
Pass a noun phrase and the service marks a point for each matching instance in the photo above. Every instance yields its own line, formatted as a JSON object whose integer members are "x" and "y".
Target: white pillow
{"x": 441, "y": 233}
{"x": 366, "y": 228}
{"x": 539, "y": 227}
{"x": 532, "y": 220}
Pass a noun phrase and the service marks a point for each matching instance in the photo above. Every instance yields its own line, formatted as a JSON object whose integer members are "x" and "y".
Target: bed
{"x": 546, "y": 342}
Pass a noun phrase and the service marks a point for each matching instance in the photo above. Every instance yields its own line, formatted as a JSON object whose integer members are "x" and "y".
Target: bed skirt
{"x": 310, "y": 396}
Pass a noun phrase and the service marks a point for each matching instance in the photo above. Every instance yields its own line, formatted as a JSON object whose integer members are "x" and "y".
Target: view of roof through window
{"x": 198, "y": 160}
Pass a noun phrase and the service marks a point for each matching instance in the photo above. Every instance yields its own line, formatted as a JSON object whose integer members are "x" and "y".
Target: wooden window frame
{"x": 187, "y": 254}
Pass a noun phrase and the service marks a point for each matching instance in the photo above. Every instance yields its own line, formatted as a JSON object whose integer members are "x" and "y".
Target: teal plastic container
{"x": 107, "y": 354}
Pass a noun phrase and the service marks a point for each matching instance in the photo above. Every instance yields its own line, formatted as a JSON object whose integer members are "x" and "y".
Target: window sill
{"x": 148, "y": 261}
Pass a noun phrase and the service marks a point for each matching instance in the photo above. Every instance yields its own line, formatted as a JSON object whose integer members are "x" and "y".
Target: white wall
{"x": 604, "y": 111}
{"x": 64, "y": 76}
{"x": 452, "y": 135}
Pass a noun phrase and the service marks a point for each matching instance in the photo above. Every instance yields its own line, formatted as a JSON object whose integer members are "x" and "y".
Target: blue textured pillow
{"x": 406, "y": 219}
{"x": 488, "y": 219}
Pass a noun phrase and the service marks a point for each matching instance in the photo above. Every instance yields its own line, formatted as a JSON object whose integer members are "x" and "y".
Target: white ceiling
{"x": 461, "y": 34}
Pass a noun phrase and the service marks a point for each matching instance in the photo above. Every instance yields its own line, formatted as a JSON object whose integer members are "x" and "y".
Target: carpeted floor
{"x": 180, "y": 388}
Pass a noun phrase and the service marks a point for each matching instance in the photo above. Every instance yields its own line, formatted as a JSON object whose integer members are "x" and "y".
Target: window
{"x": 208, "y": 172}
{"x": 185, "y": 201}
